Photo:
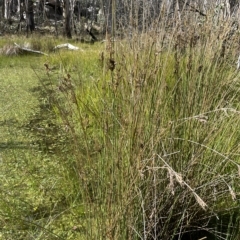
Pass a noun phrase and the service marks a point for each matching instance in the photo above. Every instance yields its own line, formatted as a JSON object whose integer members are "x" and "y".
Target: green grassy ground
{"x": 35, "y": 187}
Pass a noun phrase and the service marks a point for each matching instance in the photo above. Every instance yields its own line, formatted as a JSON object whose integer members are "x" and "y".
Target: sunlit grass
{"x": 133, "y": 140}
{"x": 37, "y": 191}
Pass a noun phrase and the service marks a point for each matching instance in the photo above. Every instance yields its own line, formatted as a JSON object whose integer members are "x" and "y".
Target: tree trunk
{"x": 30, "y": 16}
{"x": 18, "y": 6}
{"x": 67, "y": 13}
{"x": 6, "y": 9}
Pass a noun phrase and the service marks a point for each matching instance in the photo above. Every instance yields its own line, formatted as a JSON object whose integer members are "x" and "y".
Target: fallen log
{"x": 29, "y": 50}
{"x": 66, "y": 45}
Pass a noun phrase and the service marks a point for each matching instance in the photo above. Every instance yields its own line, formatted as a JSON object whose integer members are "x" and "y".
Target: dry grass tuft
{"x": 10, "y": 50}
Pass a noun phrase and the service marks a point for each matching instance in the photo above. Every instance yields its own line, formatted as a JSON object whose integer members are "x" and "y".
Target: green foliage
{"x": 136, "y": 139}
{"x": 155, "y": 140}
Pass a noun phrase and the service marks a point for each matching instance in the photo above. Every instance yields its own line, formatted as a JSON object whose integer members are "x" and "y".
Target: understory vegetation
{"x": 132, "y": 138}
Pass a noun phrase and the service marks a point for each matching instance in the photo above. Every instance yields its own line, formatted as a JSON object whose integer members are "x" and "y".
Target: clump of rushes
{"x": 156, "y": 139}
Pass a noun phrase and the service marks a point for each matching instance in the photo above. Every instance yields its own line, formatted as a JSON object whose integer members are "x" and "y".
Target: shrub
{"x": 155, "y": 137}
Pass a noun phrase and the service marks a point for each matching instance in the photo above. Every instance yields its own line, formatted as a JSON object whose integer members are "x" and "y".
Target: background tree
{"x": 67, "y": 15}
{"x": 30, "y": 15}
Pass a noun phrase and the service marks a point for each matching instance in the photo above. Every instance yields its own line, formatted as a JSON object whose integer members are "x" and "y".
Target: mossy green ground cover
{"x": 36, "y": 199}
